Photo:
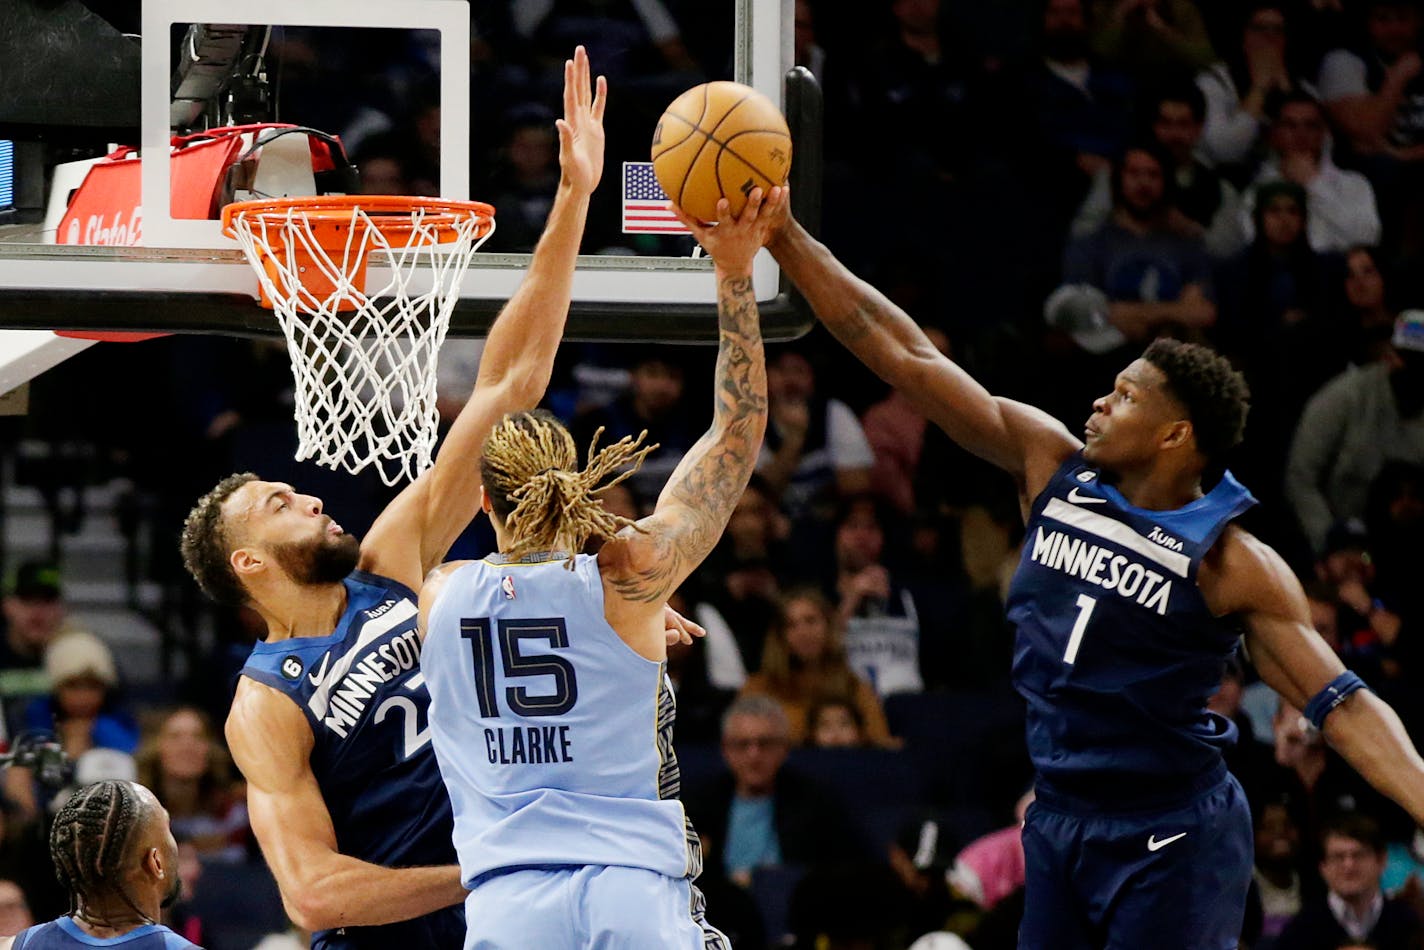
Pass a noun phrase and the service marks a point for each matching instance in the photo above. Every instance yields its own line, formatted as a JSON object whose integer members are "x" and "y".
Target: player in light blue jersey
{"x": 550, "y": 706}
{"x": 113, "y": 850}
{"x": 1134, "y": 586}
{"x": 329, "y": 724}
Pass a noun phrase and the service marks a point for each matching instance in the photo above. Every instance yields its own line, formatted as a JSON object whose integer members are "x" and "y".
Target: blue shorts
{"x": 588, "y": 906}
{"x": 1166, "y": 879}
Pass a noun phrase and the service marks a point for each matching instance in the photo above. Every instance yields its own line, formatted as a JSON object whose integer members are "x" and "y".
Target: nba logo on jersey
{"x": 1087, "y": 476}
{"x": 507, "y": 585}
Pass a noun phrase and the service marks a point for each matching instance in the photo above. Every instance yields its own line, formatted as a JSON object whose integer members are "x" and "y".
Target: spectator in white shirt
{"x": 1341, "y": 208}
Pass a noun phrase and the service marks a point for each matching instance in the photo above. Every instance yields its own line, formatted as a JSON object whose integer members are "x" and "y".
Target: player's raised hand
{"x": 581, "y": 128}
{"x": 734, "y": 242}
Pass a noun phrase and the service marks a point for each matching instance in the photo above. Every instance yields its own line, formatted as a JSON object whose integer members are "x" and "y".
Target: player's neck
{"x": 1154, "y": 489}
{"x": 303, "y": 610}
{"x": 107, "y": 919}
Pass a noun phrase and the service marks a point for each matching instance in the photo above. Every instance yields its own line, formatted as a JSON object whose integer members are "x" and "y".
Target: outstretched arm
{"x": 416, "y": 529}
{"x": 321, "y": 888}
{"x": 1026, "y": 443}
{"x": 643, "y": 565}
{"x": 1295, "y": 662}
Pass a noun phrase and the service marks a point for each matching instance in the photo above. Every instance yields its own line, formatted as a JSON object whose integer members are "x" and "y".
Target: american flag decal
{"x": 645, "y": 206}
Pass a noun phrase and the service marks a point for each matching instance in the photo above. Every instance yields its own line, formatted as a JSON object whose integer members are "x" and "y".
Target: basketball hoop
{"x": 363, "y": 358}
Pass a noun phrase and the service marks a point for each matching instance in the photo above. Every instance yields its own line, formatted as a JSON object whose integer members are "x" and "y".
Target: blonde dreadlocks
{"x": 530, "y": 469}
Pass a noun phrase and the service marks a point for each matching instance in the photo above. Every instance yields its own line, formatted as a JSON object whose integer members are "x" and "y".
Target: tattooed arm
{"x": 1022, "y": 440}
{"x": 645, "y": 564}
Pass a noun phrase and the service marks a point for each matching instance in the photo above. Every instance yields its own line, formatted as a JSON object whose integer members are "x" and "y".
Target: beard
{"x": 325, "y": 561}
{"x": 174, "y": 890}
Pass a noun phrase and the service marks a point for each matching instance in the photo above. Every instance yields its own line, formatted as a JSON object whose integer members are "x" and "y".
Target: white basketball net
{"x": 365, "y": 378}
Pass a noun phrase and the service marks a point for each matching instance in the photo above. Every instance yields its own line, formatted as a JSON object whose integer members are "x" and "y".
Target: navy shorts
{"x": 1166, "y": 879}
{"x": 442, "y": 930}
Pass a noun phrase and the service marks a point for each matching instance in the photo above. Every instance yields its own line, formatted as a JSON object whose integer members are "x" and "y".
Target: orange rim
{"x": 387, "y": 213}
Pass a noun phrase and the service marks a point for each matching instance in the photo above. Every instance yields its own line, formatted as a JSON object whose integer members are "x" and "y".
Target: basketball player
{"x": 1133, "y": 588}
{"x": 329, "y": 720}
{"x": 550, "y": 706}
{"x": 114, "y": 852}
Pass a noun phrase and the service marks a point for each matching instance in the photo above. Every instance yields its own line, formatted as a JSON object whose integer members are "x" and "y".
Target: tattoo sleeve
{"x": 697, "y": 501}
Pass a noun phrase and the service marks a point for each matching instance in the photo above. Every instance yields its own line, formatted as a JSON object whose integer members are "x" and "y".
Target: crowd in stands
{"x": 1046, "y": 187}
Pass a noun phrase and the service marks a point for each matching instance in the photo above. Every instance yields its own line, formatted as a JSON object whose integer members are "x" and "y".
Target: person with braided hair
{"x": 550, "y": 708}
{"x": 329, "y": 721}
{"x": 113, "y": 850}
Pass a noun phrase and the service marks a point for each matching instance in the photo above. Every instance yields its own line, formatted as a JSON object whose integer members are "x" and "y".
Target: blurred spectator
{"x": 1238, "y": 87}
{"x": 1277, "y": 867}
{"x": 1369, "y": 314}
{"x": 185, "y": 766}
{"x": 1198, "y": 192}
{"x": 835, "y": 723}
{"x": 1080, "y": 108}
{"x": 1151, "y": 39}
{"x": 700, "y": 702}
{"x": 381, "y": 161}
{"x": 759, "y": 813}
{"x": 526, "y": 180}
{"x": 1340, "y": 204}
{"x": 33, "y": 613}
{"x": 1365, "y": 628}
{"x": 1375, "y": 95}
{"x": 991, "y": 868}
{"x": 626, "y": 41}
{"x": 804, "y": 661}
{"x": 1148, "y": 259}
{"x": 815, "y": 448}
{"x": 1276, "y": 326}
{"x": 920, "y": 856}
{"x": 1374, "y": 92}
{"x": 654, "y": 402}
{"x": 1354, "y": 907}
{"x": 1359, "y": 420}
{"x": 15, "y": 913}
{"x": 1394, "y": 515}
{"x": 896, "y": 432}
{"x": 1248, "y": 759}
{"x": 82, "y": 709}
{"x": 881, "y": 621}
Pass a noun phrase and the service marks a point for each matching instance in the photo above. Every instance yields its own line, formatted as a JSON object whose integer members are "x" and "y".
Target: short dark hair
{"x": 1277, "y": 101}
{"x": 1212, "y": 391}
{"x": 1181, "y": 90}
{"x": 1356, "y": 827}
{"x": 92, "y": 840}
{"x": 206, "y": 547}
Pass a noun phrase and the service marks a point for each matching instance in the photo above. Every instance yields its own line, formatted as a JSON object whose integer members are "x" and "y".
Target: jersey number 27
{"x": 512, "y": 634}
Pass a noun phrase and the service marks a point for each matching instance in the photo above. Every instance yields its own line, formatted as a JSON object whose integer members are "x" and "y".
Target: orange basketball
{"x": 720, "y": 140}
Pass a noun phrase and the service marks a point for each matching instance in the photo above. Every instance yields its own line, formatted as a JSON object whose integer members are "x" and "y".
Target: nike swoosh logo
{"x": 320, "y": 674}
{"x": 1154, "y": 845}
{"x": 1079, "y": 499}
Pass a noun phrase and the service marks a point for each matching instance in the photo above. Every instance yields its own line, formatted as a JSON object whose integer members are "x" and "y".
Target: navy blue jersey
{"x": 365, "y": 698}
{"x": 1116, "y": 649}
{"x": 65, "y": 934}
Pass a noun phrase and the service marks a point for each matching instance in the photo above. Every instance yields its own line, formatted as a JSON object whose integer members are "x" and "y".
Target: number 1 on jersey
{"x": 1075, "y": 639}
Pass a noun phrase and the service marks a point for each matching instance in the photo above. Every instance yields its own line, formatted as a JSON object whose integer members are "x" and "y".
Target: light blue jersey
{"x": 553, "y": 736}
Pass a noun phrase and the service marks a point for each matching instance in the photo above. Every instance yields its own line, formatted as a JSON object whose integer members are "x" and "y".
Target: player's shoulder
{"x": 261, "y": 719}
{"x": 435, "y": 582}
{"x": 1241, "y": 572}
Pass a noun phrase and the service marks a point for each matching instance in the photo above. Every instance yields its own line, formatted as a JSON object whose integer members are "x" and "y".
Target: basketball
{"x": 720, "y": 140}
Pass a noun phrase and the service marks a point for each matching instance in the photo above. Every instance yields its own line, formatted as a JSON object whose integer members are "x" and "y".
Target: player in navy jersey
{"x": 1133, "y": 590}
{"x": 551, "y": 709}
{"x": 113, "y": 850}
{"x": 329, "y": 723}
